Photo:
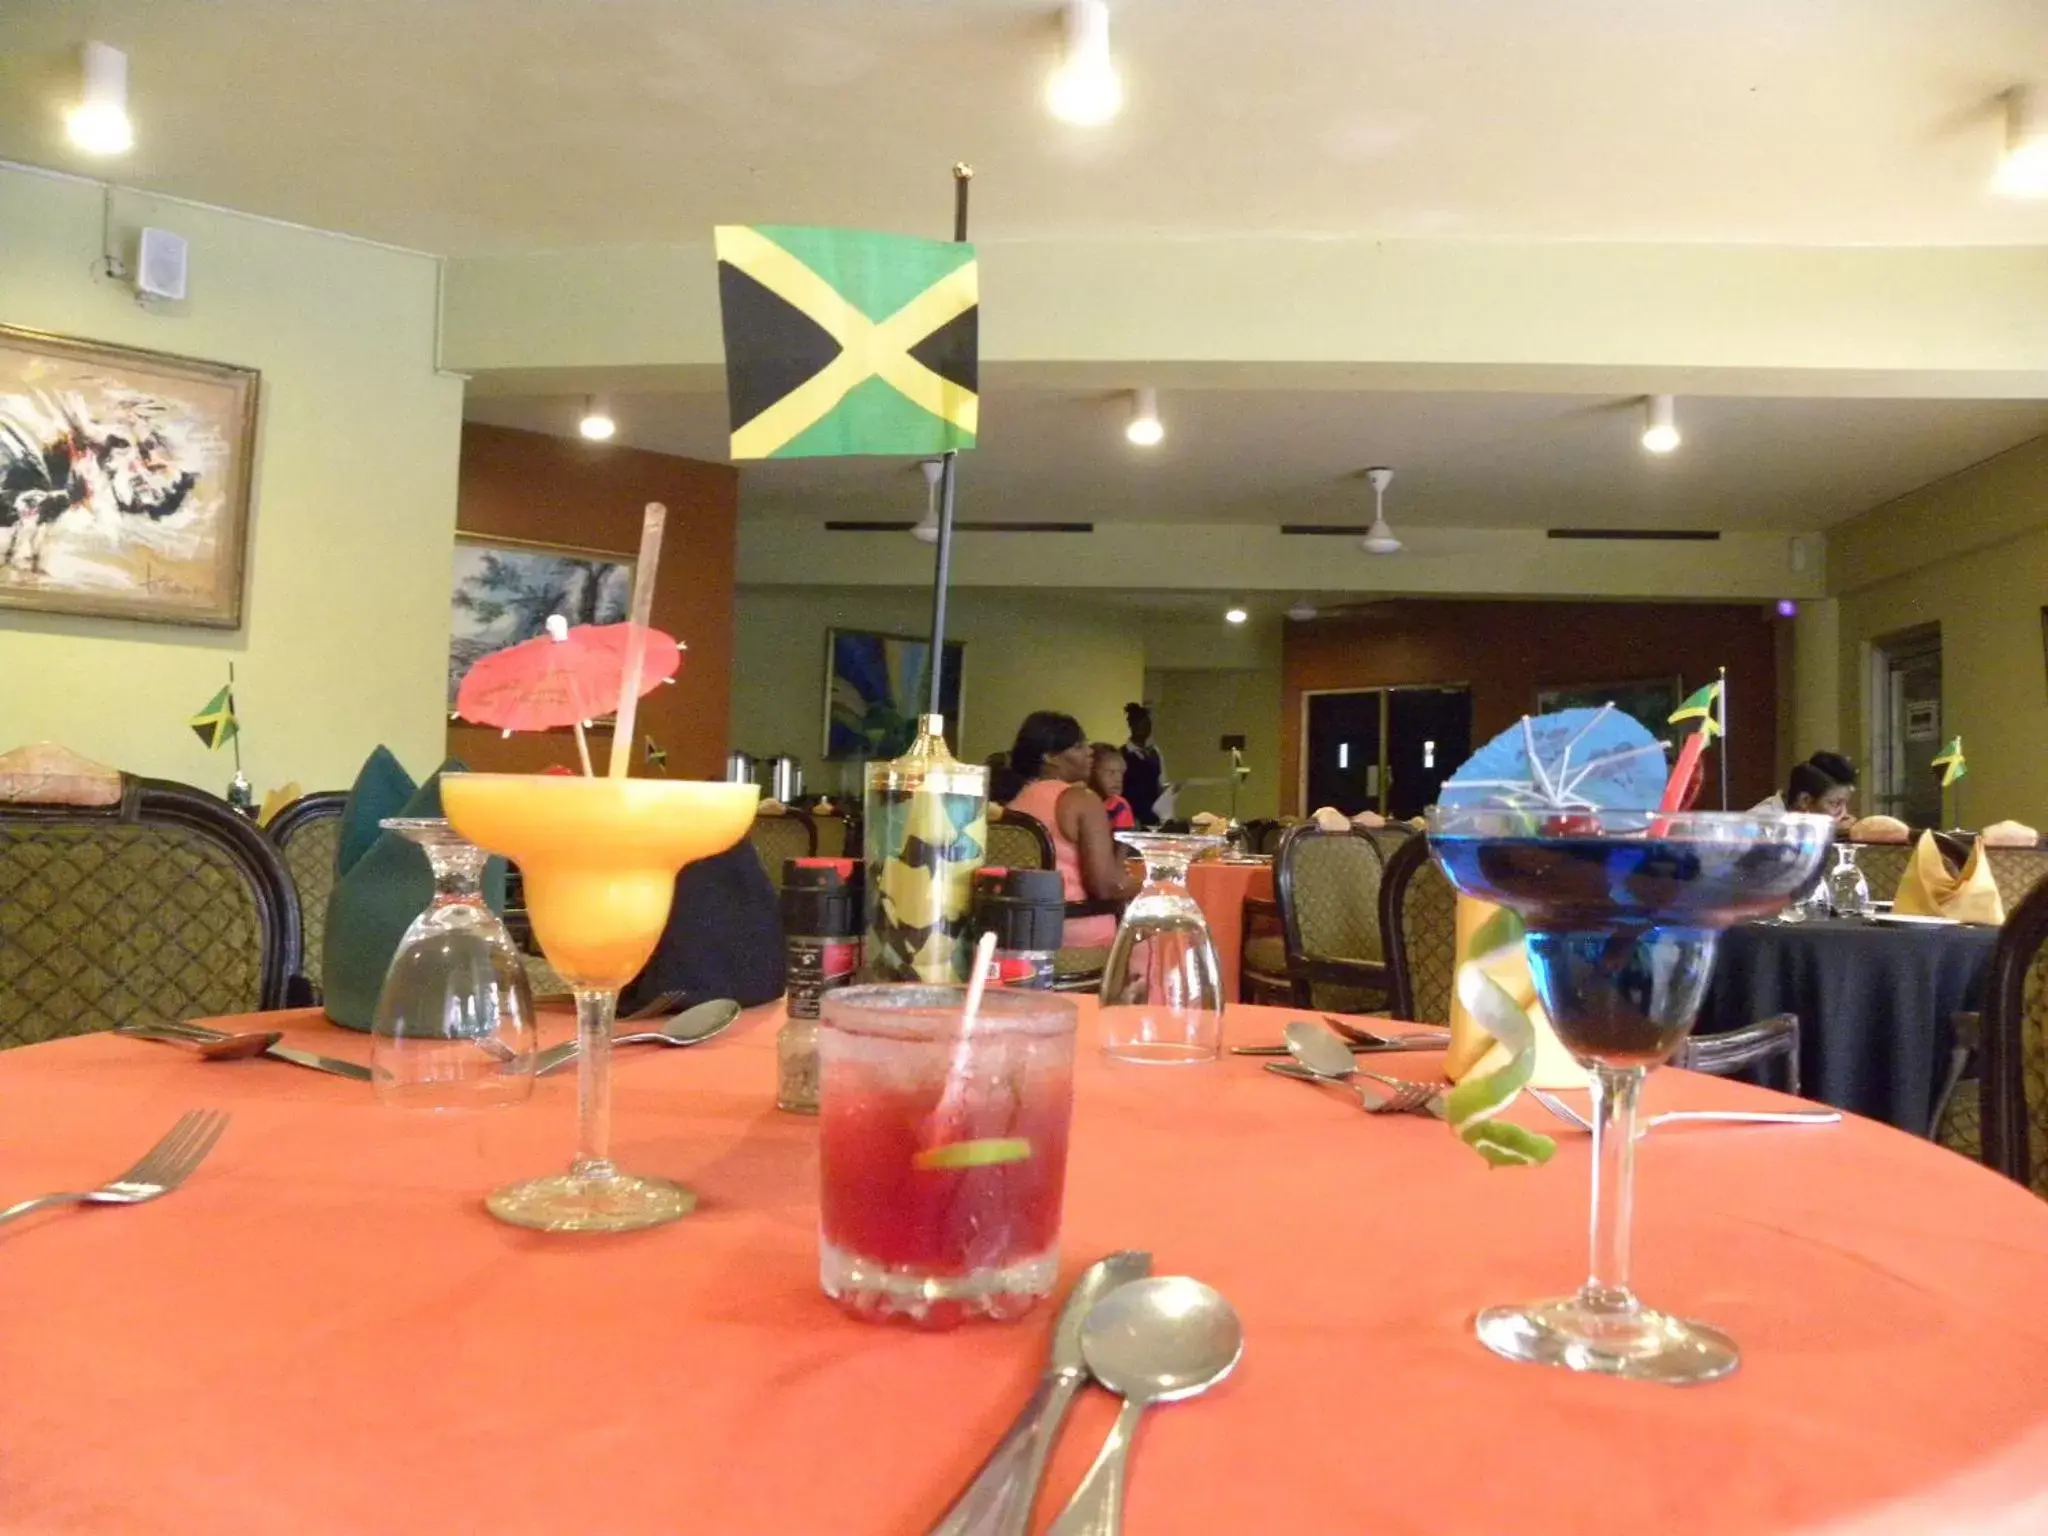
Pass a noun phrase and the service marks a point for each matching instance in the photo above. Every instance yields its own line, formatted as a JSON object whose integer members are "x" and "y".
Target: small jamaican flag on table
{"x": 840, "y": 341}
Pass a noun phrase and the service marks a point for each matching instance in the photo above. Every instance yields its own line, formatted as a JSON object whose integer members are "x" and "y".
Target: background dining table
{"x": 324, "y": 1333}
{"x": 1220, "y": 888}
{"x": 1875, "y": 1002}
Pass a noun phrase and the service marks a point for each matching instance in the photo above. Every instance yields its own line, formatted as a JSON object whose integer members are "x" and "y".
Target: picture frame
{"x": 125, "y": 481}
{"x": 876, "y": 688}
{"x": 1648, "y": 700}
{"x": 502, "y": 591}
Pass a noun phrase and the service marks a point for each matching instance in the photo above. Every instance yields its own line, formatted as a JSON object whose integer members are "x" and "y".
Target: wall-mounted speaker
{"x": 160, "y": 265}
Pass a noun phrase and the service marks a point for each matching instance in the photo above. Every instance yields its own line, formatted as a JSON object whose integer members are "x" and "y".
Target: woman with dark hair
{"x": 1054, "y": 758}
{"x": 1824, "y": 785}
{"x": 1144, "y": 771}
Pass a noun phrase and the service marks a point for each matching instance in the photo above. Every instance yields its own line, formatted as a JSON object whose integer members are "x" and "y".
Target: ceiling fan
{"x": 1379, "y": 538}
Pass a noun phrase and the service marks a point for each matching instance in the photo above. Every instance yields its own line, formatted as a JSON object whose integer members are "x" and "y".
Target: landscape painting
{"x": 1649, "y": 700}
{"x": 124, "y": 481}
{"x": 505, "y": 589}
{"x": 876, "y": 686}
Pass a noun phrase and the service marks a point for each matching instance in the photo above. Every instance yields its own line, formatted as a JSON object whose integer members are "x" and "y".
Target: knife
{"x": 997, "y": 1502}
{"x": 318, "y": 1063}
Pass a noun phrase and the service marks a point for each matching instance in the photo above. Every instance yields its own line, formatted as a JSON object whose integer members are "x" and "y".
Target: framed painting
{"x": 505, "y": 589}
{"x": 124, "y": 481}
{"x": 876, "y": 686}
{"x": 1649, "y": 700}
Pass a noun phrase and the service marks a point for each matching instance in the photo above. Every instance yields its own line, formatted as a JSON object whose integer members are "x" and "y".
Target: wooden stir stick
{"x": 636, "y": 640}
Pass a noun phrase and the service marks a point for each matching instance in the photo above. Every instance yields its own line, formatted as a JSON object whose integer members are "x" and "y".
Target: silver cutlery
{"x": 1360, "y": 1042}
{"x": 1152, "y": 1341}
{"x": 1564, "y": 1111}
{"x": 163, "y": 1168}
{"x": 693, "y": 1026}
{"x": 1417, "y": 1036}
{"x": 221, "y": 1045}
{"x": 1401, "y": 1098}
{"x": 998, "y": 1499}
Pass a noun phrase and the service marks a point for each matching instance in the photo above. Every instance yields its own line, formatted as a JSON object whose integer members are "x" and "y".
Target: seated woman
{"x": 1106, "y": 778}
{"x": 1824, "y": 785}
{"x": 1054, "y": 758}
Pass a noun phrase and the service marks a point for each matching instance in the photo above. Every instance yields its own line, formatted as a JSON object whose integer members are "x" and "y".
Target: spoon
{"x": 1149, "y": 1341}
{"x": 211, "y": 1048}
{"x": 693, "y": 1026}
{"x": 1320, "y": 1051}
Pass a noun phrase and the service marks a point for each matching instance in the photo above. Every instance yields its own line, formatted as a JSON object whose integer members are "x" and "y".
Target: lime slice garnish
{"x": 974, "y": 1154}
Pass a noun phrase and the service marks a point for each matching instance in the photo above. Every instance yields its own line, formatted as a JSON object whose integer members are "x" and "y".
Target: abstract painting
{"x": 124, "y": 481}
{"x": 1649, "y": 700}
{"x": 505, "y": 589}
{"x": 876, "y": 686}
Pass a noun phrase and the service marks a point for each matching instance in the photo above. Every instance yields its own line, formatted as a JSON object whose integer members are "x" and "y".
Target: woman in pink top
{"x": 1053, "y": 755}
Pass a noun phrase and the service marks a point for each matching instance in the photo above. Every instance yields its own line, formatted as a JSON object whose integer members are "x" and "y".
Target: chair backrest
{"x": 2015, "y": 1070}
{"x": 1329, "y": 891}
{"x": 165, "y": 906}
{"x": 1883, "y": 866}
{"x": 2016, "y": 870}
{"x": 1419, "y": 916}
{"x": 1019, "y": 841}
{"x": 781, "y": 836}
{"x": 307, "y": 833}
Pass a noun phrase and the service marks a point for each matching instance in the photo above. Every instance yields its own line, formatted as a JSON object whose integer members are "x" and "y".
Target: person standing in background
{"x": 1144, "y": 770}
{"x": 1106, "y": 778}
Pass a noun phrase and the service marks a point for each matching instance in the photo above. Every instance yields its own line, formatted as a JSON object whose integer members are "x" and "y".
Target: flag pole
{"x": 1723, "y": 705}
{"x": 237, "y": 737}
{"x": 963, "y": 173}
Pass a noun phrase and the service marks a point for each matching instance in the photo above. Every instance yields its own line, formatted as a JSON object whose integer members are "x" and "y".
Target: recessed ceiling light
{"x": 1234, "y": 615}
{"x": 2023, "y": 168}
{"x": 1302, "y": 611}
{"x": 597, "y": 423}
{"x": 98, "y": 121}
{"x": 1084, "y": 89}
{"x": 1660, "y": 424}
{"x": 1146, "y": 430}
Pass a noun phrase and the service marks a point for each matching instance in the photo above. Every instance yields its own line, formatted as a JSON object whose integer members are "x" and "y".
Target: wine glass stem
{"x": 594, "y": 1009}
{"x": 1615, "y": 1093}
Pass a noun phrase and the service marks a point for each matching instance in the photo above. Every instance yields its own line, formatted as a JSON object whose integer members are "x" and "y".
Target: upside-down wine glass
{"x": 1623, "y": 909}
{"x": 1162, "y": 994}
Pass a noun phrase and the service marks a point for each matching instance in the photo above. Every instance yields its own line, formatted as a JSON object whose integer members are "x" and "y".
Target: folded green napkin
{"x": 382, "y": 882}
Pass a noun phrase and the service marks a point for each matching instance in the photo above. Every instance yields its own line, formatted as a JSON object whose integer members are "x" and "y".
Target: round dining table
{"x": 323, "y": 1332}
{"x": 1220, "y": 888}
{"x": 1875, "y": 1000}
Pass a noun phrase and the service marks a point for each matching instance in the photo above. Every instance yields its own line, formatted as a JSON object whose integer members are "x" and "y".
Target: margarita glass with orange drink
{"x": 599, "y": 858}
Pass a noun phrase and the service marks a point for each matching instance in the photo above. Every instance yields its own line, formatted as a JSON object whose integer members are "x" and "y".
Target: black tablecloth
{"x": 1873, "y": 999}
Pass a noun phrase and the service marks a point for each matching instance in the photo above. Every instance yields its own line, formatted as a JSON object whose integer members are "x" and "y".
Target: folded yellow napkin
{"x": 1880, "y": 829}
{"x": 2009, "y": 834}
{"x": 1931, "y": 889}
{"x": 1474, "y": 1051}
{"x": 276, "y": 801}
{"x": 770, "y": 808}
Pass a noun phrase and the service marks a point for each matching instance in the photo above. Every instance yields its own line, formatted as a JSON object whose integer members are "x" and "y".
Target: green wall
{"x": 345, "y": 616}
{"x": 1193, "y": 708}
{"x": 1971, "y": 554}
{"x": 1025, "y": 651}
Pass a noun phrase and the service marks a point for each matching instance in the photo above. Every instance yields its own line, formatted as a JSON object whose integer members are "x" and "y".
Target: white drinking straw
{"x": 954, "y": 1100}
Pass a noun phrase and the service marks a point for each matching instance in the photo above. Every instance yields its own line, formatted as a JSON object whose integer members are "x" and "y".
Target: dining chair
{"x": 2001, "y": 1116}
{"x": 1419, "y": 926}
{"x": 1018, "y": 841}
{"x": 2016, "y": 871}
{"x": 779, "y": 836}
{"x": 1734, "y": 1051}
{"x": 307, "y": 833}
{"x": 1262, "y": 973}
{"x": 161, "y": 904}
{"x": 1329, "y": 896}
{"x": 1883, "y": 866}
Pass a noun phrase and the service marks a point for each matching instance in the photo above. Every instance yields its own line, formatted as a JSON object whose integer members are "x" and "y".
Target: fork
{"x": 163, "y": 1167}
{"x": 1405, "y": 1097}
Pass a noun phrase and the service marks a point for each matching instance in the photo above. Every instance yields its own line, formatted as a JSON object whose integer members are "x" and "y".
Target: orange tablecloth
{"x": 1220, "y": 890}
{"x": 323, "y": 1333}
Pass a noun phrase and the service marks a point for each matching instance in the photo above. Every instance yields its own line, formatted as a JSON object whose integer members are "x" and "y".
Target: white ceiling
{"x": 469, "y": 126}
{"x": 1461, "y": 460}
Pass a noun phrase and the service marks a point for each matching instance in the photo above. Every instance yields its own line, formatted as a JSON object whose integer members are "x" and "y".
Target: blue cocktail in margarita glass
{"x": 1623, "y": 909}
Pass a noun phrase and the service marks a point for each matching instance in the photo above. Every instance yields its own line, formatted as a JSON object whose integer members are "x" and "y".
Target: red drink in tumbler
{"x": 938, "y": 1207}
